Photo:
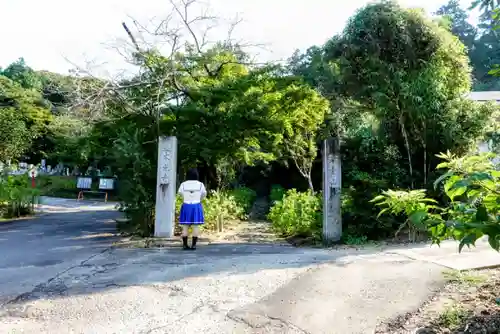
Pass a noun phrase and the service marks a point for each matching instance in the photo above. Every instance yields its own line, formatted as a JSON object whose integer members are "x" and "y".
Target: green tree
{"x": 19, "y": 72}
{"x": 458, "y": 20}
{"x": 223, "y": 113}
{"x": 24, "y": 105}
{"x": 413, "y": 74}
{"x": 14, "y": 137}
{"x": 485, "y": 6}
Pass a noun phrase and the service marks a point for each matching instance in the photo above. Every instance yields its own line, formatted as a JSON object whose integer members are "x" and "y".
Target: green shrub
{"x": 349, "y": 239}
{"x": 244, "y": 197}
{"x": 277, "y": 193}
{"x": 297, "y": 214}
{"x": 412, "y": 204}
{"x": 17, "y": 197}
{"x": 359, "y": 216}
{"x": 219, "y": 207}
{"x": 472, "y": 185}
{"x": 56, "y": 185}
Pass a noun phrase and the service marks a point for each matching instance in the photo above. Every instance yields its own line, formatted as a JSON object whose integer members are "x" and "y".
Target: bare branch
{"x": 131, "y": 37}
{"x": 173, "y": 44}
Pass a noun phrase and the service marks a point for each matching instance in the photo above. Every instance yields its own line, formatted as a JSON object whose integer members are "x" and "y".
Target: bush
{"x": 359, "y": 216}
{"x": 297, "y": 214}
{"x": 57, "y": 186}
{"x": 471, "y": 184}
{"x": 413, "y": 204}
{"x": 277, "y": 193}
{"x": 244, "y": 198}
{"x": 17, "y": 197}
{"x": 219, "y": 207}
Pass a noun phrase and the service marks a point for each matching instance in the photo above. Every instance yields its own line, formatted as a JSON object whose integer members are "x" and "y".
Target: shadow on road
{"x": 65, "y": 254}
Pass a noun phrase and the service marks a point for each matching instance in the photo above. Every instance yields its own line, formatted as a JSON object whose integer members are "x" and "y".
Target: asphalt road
{"x": 58, "y": 274}
{"x": 35, "y": 250}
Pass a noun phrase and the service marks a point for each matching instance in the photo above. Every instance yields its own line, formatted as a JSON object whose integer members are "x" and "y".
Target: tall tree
{"x": 19, "y": 72}
{"x": 485, "y": 6}
{"x": 459, "y": 25}
{"x": 488, "y": 51}
{"x": 413, "y": 74}
{"x": 25, "y": 116}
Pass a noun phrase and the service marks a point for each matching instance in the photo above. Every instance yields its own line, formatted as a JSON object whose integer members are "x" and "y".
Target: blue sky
{"x": 50, "y": 32}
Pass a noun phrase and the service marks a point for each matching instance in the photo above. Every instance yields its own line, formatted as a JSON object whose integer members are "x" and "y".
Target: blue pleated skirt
{"x": 191, "y": 214}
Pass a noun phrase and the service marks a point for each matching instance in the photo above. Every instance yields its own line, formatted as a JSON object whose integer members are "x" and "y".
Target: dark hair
{"x": 192, "y": 174}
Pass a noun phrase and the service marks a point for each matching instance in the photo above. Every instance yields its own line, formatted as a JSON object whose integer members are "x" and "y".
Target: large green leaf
{"x": 482, "y": 214}
{"x": 494, "y": 242}
{"x": 418, "y": 217}
{"x": 468, "y": 240}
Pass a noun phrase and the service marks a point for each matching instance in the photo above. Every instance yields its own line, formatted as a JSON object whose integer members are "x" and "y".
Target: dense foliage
{"x": 407, "y": 77}
{"x": 17, "y": 197}
{"x": 391, "y": 87}
{"x": 472, "y": 187}
{"x": 297, "y": 214}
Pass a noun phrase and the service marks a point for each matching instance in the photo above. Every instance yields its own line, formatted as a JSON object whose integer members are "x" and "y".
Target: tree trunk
{"x": 309, "y": 182}
{"x": 425, "y": 165}
{"x": 332, "y": 216}
{"x": 407, "y": 145}
{"x": 424, "y": 144}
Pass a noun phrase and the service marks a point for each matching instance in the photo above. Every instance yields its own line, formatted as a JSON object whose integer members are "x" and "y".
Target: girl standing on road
{"x": 192, "y": 191}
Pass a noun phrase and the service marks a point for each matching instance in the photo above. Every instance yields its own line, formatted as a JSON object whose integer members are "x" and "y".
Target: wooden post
{"x": 332, "y": 184}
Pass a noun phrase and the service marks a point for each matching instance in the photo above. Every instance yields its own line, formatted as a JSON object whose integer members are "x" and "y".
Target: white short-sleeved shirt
{"x": 192, "y": 191}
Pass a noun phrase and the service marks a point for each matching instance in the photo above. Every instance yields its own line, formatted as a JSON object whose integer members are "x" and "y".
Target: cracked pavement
{"x": 60, "y": 275}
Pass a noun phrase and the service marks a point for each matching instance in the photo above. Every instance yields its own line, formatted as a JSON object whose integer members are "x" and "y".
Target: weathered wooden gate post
{"x": 332, "y": 183}
{"x": 166, "y": 183}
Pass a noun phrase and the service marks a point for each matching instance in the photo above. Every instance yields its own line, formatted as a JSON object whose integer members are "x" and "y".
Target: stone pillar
{"x": 166, "y": 184}
{"x": 332, "y": 216}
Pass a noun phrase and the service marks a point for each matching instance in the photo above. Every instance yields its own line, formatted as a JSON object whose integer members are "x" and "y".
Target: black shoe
{"x": 193, "y": 246}
{"x": 185, "y": 243}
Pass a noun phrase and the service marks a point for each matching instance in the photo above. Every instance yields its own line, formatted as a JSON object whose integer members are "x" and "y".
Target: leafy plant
{"x": 355, "y": 240}
{"x": 137, "y": 173}
{"x": 17, "y": 197}
{"x": 472, "y": 185}
{"x": 413, "y": 204}
{"x": 244, "y": 198}
{"x": 219, "y": 208}
{"x": 297, "y": 214}
{"x": 55, "y": 185}
{"x": 277, "y": 193}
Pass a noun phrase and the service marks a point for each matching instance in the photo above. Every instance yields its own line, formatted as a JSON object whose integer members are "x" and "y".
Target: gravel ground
{"x": 59, "y": 274}
{"x": 224, "y": 289}
{"x": 468, "y": 304}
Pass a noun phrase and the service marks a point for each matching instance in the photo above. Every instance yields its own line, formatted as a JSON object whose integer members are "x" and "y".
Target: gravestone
{"x": 166, "y": 183}
{"x": 332, "y": 184}
{"x": 58, "y": 169}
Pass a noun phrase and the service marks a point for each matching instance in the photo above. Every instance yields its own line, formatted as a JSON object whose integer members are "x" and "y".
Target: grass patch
{"x": 453, "y": 317}
{"x": 469, "y": 277}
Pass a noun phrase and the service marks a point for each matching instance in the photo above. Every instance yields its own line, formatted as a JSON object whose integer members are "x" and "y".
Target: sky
{"x": 57, "y": 35}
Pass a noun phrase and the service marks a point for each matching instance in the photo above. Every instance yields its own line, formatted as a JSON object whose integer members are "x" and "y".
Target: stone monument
{"x": 166, "y": 187}
{"x": 332, "y": 184}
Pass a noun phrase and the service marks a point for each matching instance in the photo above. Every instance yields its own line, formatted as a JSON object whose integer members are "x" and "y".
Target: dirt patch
{"x": 235, "y": 232}
{"x": 468, "y": 304}
{"x": 252, "y": 231}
